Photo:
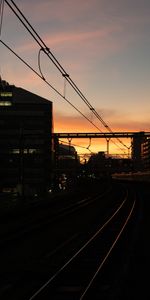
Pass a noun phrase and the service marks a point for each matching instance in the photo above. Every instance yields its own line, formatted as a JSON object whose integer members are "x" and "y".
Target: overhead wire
{"x": 58, "y": 65}
{"x": 47, "y": 51}
{"x": 39, "y": 64}
{"x": 82, "y": 155}
{"x": 87, "y": 148}
{"x": 1, "y": 14}
{"x": 1, "y": 23}
{"x": 40, "y": 76}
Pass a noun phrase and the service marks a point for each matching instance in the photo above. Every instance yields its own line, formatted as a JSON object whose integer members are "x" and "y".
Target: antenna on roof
{"x": 0, "y": 75}
{"x": 1, "y": 80}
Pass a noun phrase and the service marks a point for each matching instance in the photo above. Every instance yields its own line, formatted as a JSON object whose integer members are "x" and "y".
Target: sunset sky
{"x": 104, "y": 46}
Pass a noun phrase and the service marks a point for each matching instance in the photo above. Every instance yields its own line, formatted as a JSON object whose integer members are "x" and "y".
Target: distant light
{"x": 6, "y": 94}
{"x": 15, "y": 151}
{"x": 5, "y": 103}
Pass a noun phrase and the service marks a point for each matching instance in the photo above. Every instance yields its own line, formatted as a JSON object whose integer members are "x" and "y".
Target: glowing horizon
{"x": 104, "y": 47}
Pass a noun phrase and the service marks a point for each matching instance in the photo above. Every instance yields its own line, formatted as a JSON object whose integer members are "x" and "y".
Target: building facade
{"x": 145, "y": 153}
{"x": 26, "y": 146}
{"x": 137, "y": 141}
{"x": 66, "y": 159}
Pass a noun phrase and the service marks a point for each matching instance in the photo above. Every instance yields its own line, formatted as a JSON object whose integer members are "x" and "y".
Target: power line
{"x": 41, "y": 77}
{"x": 52, "y": 87}
{"x": 47, "y": 51}
{"x": 87, "y": 148}
{"x": 1, "y": 15}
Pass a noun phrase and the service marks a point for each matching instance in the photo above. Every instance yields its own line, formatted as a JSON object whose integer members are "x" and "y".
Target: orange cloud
{"x": 71, "y": 37}
{"x": 121, "y": 122}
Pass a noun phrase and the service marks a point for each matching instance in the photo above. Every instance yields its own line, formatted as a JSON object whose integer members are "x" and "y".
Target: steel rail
{"x": 108, "y": 253}
{"x": 32, "y": 225}
{"x": 44, "y": 286}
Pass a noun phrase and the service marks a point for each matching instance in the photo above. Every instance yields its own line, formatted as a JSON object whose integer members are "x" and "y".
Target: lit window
{"x": 15, "y": 151}
{"x": 6, "y": 94}
{"x": 31, "y": 151}
{"x": 5, "y": 103}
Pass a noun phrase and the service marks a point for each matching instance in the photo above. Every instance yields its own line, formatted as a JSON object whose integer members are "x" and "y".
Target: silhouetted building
{"x": 119, "y": 165}
{"x": 137, "y": 141}
{"x": 99, "y": 164}
{"x": 67, "y": 160}
{"x": 102, "y": 165}
{"x": 26, "y": 126}
{"x": 145, "y": 154}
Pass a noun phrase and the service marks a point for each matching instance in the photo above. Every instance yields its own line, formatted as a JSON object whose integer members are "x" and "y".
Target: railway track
{"x": 95, "y": 221}
{"x": 79, "y": 277}
{"x": 43, "y": 215}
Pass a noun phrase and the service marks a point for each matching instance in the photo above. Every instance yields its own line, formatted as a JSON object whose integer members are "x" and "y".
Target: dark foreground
{"x": 135, "y": 282}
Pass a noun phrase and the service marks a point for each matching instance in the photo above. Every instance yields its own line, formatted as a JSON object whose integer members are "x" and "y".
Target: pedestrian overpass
{"x": 133, "y": 135}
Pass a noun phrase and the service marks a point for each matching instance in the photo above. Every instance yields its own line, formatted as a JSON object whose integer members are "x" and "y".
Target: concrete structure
{"x": 66, "y": 159}
{"x": 145, "y": 154}
{"x": 138, "y": 139}
{"x": 26, "y": 126}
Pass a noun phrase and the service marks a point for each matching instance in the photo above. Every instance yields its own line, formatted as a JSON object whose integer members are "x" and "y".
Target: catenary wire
{"x": 41, "y": 77}
{"x": 47, "y": 51}
{"x": 1, "y": 15}
{"x": 77, "y": 146}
